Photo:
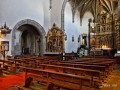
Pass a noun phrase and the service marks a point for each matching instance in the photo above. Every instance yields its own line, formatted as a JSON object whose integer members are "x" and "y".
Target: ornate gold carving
{"x": 104, "y": 31}
{"x": 55, "y": 40}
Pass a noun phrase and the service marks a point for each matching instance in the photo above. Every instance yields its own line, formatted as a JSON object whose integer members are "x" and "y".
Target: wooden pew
{"x": 34, "y": 60}
{"x": 85, "y": 66}
{"x": 71, "y": 70}
{"x": 1, "y": 71}
{"x": 8, "y": 65}
{"x": 109, "y": 63}
{"x": 64, "y": 80}
{"x": 26, "y": 61}
{"x": 88, "y": 60}
{"x": 5, "y": 62}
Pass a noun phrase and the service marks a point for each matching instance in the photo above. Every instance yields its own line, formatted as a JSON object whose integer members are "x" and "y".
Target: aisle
{"x": 113, "y": 81}
{"x": 9, "y": 81}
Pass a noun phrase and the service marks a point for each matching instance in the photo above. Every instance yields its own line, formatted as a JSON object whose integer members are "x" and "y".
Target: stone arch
{"x": 38, "y": 27}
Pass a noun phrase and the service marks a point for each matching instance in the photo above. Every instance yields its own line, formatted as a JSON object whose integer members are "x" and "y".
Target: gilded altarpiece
{"x": 55, "y": 40}
{"x": 106, "y": 29}
{"x": 103, "y": 32}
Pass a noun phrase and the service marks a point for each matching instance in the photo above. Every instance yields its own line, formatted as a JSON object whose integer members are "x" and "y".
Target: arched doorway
{"x": 28, "y": 37}
{"x": 30, "y": 40}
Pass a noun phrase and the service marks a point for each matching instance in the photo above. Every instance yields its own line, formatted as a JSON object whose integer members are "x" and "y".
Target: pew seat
{"x": 70, "y": 81}
{"x": 59, "y": 81}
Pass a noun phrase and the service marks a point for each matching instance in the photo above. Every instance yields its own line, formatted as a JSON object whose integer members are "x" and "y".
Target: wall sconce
{"x": 72, "y": 38}
{"x": 4, "y": 30}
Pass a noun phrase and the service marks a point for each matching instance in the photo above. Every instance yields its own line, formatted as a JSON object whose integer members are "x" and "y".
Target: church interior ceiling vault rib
{"x": 83, "y": 6}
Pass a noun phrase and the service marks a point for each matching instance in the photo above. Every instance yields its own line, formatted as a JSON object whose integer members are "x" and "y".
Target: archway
{"x": 28, "y": 37}
{"x": 30, "y": 40}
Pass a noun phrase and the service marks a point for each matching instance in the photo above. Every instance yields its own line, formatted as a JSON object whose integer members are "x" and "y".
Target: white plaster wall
{"x": 13, "y": 11}
{"x": 56, "y": 12}
{"x": 47, "y": 15}
{"x": 74, "y": 29}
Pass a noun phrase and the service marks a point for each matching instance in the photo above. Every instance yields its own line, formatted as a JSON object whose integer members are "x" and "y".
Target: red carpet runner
{"x": 9, "y": 81}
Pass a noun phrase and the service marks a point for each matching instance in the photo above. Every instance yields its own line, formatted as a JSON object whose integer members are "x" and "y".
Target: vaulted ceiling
{"x": 93, "y": 6}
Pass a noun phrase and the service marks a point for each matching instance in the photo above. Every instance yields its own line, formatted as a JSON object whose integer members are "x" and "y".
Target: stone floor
{"x": 111, "y": 83}
{"x": 37, "y": 86}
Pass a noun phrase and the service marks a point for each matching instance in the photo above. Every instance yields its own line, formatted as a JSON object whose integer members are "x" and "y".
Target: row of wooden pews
{"x": 108, "y": 64}
{"x": 12, "y": 64}
{"x": 6, "y": 65}
{"x": 77, "y": 74}
{"x": 60, "y": 79}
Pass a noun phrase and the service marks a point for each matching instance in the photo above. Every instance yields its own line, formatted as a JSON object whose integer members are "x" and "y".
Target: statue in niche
{"x": 103, "y": 19}
{"x": 98, "y": 18}
{"x": 84, "y": 41}
{"x": 103, "y": 28}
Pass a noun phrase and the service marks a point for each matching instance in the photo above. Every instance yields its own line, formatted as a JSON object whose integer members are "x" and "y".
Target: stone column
{"x": 89, "y": 27}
